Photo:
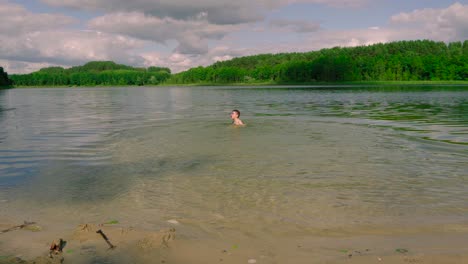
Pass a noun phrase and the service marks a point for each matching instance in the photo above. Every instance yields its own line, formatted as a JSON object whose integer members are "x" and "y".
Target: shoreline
{"x": 368, "y": 83}
{"x": 272, "y": 84}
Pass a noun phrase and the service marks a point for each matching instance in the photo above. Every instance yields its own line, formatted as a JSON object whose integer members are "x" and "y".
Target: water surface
{"x": 311, "y": 162}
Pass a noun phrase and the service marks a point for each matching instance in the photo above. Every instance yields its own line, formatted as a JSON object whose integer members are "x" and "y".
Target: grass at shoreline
{"x": 365, "y": 83}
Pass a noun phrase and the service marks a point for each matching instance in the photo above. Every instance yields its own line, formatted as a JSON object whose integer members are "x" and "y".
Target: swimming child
{"x": 235, "y": 114}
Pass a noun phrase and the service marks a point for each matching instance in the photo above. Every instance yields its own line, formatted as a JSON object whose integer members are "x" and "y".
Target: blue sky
{"x": 184, "y": 33}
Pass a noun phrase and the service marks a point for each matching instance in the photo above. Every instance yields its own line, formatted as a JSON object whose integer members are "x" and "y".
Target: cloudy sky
{"x": 180, "y": 34}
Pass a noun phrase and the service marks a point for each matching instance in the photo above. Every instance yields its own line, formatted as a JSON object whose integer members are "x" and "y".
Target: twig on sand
{"x": 25, "y": 224}
{"x": 105, "y": 238}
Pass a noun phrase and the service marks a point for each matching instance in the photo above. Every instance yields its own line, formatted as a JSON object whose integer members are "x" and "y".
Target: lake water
{"x": 346, "y": 166}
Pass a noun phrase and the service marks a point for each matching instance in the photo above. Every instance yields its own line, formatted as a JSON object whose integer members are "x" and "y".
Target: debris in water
{"x": 25, "y": 224}
{"x": 105, "y": 238}
{"x": 252, "y": 261}
{"x": 401, "y": 250}
{"x": 112, "y": 222}
{"x": 33, "y": 228}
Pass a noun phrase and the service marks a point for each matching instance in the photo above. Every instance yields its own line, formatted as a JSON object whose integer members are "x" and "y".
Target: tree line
{"x": 4, "y": 79}
{"x": 93, "y": 73}
{"x": 421, "y": 60}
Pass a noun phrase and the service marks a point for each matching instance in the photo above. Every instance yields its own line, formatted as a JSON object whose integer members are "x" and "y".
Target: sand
{"x": 85, "y": 245}
{"x": 134, "y": 245}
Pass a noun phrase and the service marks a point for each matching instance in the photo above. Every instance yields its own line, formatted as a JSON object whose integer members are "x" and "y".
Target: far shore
{"x": 298, "y": 84}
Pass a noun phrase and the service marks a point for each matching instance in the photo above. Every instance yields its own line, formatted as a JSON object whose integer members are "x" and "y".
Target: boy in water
{"x": 235, "y": 114}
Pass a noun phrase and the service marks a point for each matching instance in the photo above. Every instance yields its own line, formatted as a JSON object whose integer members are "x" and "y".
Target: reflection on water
{"x": 309, "y": 159}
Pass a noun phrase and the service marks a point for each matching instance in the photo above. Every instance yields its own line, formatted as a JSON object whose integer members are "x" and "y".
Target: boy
{"x": 235, "y": 114}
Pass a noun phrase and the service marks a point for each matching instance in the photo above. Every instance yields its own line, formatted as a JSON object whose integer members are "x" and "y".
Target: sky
{"x": 181, "y": 34}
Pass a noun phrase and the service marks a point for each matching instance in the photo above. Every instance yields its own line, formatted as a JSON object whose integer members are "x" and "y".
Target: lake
{"x": 317, "y": 172}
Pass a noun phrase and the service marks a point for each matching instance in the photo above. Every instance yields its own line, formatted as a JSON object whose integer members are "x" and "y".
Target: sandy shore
{"x": 84, "y": 244}
{"x": 132, "y": 245}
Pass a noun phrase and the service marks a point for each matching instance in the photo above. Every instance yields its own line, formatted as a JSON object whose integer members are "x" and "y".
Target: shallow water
{"x": 311, "y": 162}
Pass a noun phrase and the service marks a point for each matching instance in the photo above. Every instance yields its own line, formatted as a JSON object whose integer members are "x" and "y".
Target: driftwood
{"x": 17, "y": 227}
{"x": 105, "y": 238}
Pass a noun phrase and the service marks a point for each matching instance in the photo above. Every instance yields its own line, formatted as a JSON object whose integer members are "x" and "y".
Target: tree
{"x": 396, "y": 61}
{"x": 4, "y": 79}
{"x": 94, "y": 73}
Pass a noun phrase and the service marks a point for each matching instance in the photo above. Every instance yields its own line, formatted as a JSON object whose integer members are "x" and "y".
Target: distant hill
{"x": 4, "y": 79}
{"x": 397, "y": 61}
{"x": 93, "y": 73}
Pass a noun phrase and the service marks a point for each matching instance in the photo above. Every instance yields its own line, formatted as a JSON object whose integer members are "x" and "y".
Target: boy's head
{"x": 235, "y": 114}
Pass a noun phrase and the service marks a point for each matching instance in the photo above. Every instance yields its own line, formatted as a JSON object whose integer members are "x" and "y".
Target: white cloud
{"x": 69, "y": 47}
{"x": 15, "y": 19}
{"x": 192, "y": 35}
{"x": 352, "y": 38}
{"x": 30, "y": 40}
{"x": 11, "y": 66}
{"x": 446, "y": 24}
{"x": 175, "y": 62}
{"x": 179, "y": 62}
{"x": 222, "y": 58}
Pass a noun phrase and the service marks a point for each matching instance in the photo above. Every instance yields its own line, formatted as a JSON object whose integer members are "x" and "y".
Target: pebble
{"x": 252, "y": 261}
{"x": 173, "y": 221}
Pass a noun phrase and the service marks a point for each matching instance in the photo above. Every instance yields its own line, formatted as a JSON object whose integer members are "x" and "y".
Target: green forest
{"x": 4, "y": 79}
{"x": 93, "y": 73}
{"x": 420, "y": 60}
